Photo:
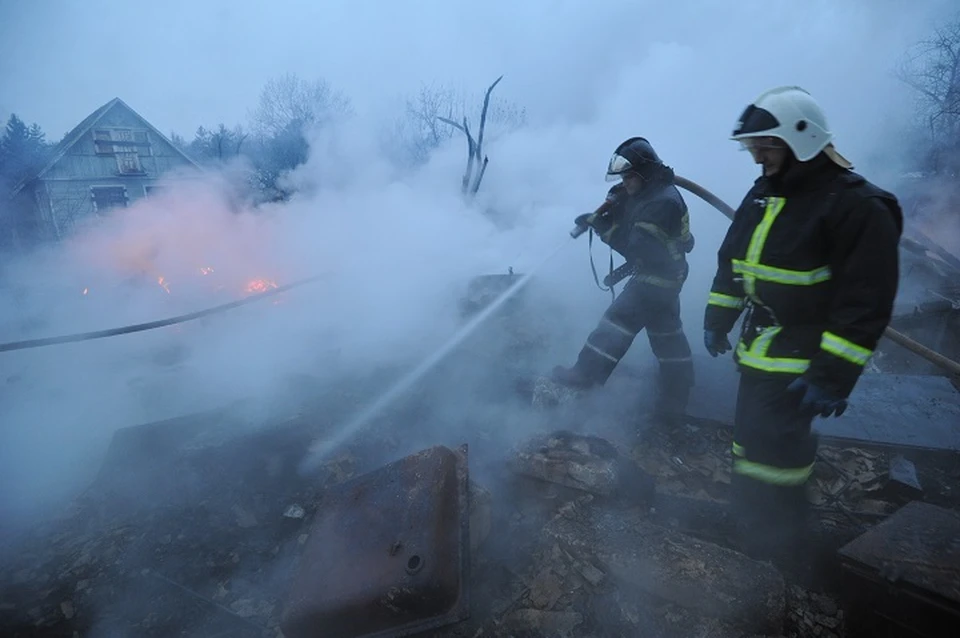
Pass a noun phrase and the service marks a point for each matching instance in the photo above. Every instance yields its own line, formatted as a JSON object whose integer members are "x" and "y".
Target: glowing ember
{"x": 260, "y": 285}
{"x": 163, "y": 284}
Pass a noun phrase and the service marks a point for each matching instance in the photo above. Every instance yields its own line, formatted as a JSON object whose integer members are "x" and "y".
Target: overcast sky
{"x": 183, "y": 63}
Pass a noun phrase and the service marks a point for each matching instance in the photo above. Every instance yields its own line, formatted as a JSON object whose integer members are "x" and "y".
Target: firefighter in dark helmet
{"x": 812, "y": 256}
{"x": 645, "y": 221}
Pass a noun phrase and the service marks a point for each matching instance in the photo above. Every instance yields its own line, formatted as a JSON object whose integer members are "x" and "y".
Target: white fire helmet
{"x": 791, "y": 114}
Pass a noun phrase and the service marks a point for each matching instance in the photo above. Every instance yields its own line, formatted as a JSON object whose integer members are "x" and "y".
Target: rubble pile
{"x": 205, "y": 548}
{"x": 602, "y": 568}
{"x": 572, "y": 539}
{"x": 812, "y": 614}
{"x": 580, "y": 462}
{"x": 701, "y": 471}
{"x": 851, "y": 479}
{"x": 848, "y": 483}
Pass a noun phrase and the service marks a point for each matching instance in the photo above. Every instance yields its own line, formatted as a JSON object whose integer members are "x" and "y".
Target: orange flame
{"x": 259, "y": 285}
{"x": 163, "y": 283}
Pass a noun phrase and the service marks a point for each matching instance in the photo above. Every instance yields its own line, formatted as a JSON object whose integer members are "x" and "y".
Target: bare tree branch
{"x": 434, "y": 115}
{"x": 932, "y": 69}
{"x": 483, "y": 118}
{"x": 288, "y": 102}
{"x": 469, "y": 185}
{"x": 456, "y": 125}
{"x": 471, "y": 151}
{"x": 483, "y": 169}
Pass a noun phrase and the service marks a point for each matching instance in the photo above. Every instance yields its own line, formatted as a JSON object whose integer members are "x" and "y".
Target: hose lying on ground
{"x": 897, "y": 337}
{"x": 150, "y": 325}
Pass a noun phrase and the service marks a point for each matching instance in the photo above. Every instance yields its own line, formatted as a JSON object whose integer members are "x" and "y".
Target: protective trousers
{"x": 773, "y": 455}
{"x": 643, "y": 305}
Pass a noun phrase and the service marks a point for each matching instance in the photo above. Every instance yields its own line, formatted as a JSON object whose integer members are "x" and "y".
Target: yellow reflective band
{"x": 654, "y": 230}
{"x": 753, "y": 272}
{"x": 756, "y": 355}
{"x": 616, "y": 326}
{"x": 772, "y": 475}
{"x": 847, "y": 350}
{"x": 725, "y": 301}
{"x": 669, "y": 242}
{"x": 738, "y": 449}
{"x": 758, "y": 239}
{"x": 605, "y": 355}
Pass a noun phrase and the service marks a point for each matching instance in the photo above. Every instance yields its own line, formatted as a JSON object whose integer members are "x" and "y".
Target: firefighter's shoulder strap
{"x": 593, "y": 267}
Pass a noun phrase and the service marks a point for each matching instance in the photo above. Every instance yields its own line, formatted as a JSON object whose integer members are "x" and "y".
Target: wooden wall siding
{"x": 82, "y": 160}
{"x": 60, "y": 197}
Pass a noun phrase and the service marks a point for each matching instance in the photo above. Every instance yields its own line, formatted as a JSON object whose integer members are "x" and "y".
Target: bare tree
{"x": 288, "y": 107}
{"x": 288, "y": 102}
{"x": 932, "y": 68}
{"x": 426, "y": 132}
{"x": 435, "y": 114}
{"x": 470, "y": 184}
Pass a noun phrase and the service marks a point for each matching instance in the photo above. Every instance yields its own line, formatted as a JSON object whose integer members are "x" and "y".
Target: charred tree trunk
{"x": 476, "y": 167}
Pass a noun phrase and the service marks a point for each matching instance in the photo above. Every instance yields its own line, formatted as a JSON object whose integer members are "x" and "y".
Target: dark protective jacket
{"x": 650, "y": 229}
{"x": 814, "y": 255}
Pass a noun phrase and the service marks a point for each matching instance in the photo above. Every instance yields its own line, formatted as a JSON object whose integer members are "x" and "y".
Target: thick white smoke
{"x": 396, "y": 249}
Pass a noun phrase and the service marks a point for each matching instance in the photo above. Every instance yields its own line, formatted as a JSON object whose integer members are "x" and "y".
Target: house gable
{"x": 137, "y": 148}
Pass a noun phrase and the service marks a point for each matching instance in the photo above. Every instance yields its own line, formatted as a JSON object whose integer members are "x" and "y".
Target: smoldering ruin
{"x": 305, "y": 394}
{"x": 593, "y": 525}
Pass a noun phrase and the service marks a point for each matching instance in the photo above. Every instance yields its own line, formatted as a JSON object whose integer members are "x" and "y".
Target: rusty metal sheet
{"x": 918, "y": 545}
{"x": 388, "y": 553}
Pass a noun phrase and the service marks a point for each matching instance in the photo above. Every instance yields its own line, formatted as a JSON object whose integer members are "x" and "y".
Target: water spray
{"x": 321, "y": 448}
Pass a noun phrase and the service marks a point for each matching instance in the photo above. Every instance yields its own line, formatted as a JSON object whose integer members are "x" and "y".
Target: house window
{"x": 107, "y": 197}
{"x": 101, "y": 140}
{"x": 127, "y": 145}
{"x": 129, "y": 164}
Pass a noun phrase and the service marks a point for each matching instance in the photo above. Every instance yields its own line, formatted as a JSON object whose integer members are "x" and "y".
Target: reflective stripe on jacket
{"x": 815, "y": 255}
{"x": 651, "y": 230}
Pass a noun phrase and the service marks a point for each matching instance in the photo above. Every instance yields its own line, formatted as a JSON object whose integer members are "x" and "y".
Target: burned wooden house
{"x": 109, "y": 160}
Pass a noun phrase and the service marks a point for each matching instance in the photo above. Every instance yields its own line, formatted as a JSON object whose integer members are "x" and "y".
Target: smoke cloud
{"x": 395, "y": 248}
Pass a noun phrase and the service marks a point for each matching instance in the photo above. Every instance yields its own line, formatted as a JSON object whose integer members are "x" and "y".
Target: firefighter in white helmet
{"x": 812, "y": 256}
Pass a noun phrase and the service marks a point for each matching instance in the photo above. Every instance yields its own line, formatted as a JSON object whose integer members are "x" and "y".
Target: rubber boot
{"x": 571, "y": 378}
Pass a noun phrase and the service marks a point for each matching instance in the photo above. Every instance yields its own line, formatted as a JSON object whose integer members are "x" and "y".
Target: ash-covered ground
{"x": 194, "y": 527}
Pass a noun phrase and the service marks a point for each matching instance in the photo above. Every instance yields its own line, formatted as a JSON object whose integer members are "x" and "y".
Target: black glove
{"x": 585, "y": 219}
{"x": 601, "y": 224}
{"x": 716, "y": 342}
{"x": 816, "y": 400}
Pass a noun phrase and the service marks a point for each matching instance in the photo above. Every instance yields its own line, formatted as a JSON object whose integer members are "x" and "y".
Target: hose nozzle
{"x": 579, "y": 230}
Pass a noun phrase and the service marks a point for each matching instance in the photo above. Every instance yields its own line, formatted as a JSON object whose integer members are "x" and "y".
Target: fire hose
{"x": 150, "y": 325}
{"x": 899, "y": 338}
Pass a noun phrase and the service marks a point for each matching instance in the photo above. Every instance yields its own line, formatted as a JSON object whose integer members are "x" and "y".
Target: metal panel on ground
{"x": 903, "y": 575}
{"x": 388, "y": 553}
